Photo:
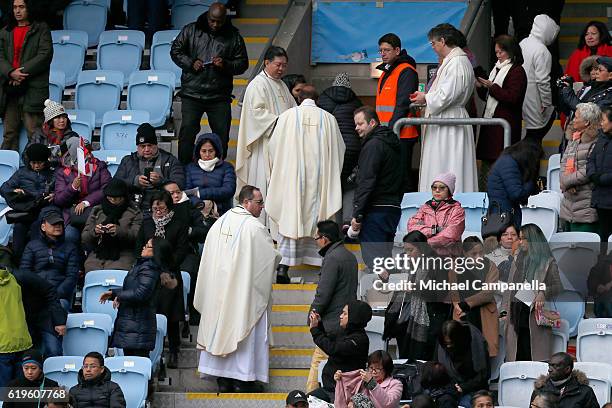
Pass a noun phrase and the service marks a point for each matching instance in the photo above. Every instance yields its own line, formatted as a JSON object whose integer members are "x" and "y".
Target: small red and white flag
{"x": 84, "y": 167}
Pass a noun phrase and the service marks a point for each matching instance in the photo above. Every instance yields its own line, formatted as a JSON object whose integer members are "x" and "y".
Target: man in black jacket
{"x": 33, "y": 377}
{"x": 95, "y": 388}
{"x": 572, "y": 386}
{"x": 376, "y": 206}
{"x": 147, "y": 169}
{"x": 210, "y": 52}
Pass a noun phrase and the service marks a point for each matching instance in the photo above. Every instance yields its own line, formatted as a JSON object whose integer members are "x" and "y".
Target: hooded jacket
{"x": 538, "y": 103}
{"x": 347, "y": 351}
{"x": 196, "y": 41}
{"x": 407, "y": 84}
{"x": 575, "y": 393}
{"x": 379, "y": 178}
{"x": 42, "y": 383}
{"x": 217, "y": 185}
{"x": 341, "y": 102}
{"x": 14, "y": 335}
{"x": 100, "y": 392}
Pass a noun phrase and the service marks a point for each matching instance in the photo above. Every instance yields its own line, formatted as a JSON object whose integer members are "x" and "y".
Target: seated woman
{"x": 162, "y": 222}
{"x": 525, "y": 339}
{"x": 214, "y": 178}
{"x": 136, "y": 324}
{"x": 576, "y": 187}
{"x": 54, "y": 131}
{"x": 415, "y": 317}
{"x": 78, "y": 193}
{"x": 437, "y": 383}
{"x": 501, "y": 254}
{"x": 441, "y": 219}
{"x": 375, "y": 383}
{"x": 29, "y": 190}
{"x": 111, "y": 230}
{"x": 477, "y": 306}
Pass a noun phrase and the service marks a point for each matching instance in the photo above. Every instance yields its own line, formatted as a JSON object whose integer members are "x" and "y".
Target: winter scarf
{"x": 160, "y": 224}
{"x": 498, "y": 75}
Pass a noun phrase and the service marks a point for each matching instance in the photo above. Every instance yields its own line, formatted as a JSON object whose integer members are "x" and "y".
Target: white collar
{"x": 183, "y": 198}
{"x": 308, "y": 102}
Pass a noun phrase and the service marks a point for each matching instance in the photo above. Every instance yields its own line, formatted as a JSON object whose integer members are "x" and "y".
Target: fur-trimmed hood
{"x": 581, "y": 377}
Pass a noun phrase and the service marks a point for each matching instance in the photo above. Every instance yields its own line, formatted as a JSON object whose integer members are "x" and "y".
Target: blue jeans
{"x": 72, "y": 234}
{"x": 10, "y": 363}
{"x": 51, "y": 344}
{"x": 378, "y": 232}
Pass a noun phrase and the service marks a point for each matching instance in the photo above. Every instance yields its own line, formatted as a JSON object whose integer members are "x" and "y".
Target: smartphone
{"x": 147, "y": 172}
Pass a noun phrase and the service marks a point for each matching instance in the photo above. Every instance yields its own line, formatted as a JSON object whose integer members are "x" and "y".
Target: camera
{"x": 352, "y": 178}
{"x": 565, "y": 80}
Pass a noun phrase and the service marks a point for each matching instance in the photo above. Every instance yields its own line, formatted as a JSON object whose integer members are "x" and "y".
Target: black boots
{"x": 172, "y": 360}
{"x": 282, "y": 274}
{"x": 225, "y": 384}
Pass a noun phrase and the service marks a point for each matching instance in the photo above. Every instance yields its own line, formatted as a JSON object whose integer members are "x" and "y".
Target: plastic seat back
{"x": 160, "y": 54}
{"x": 9, "y": 164}
{"x": 63, "y": 369}
{"x": 112, "y": 158}
{"x": 186, "y": 289}
{"x": 69, "y": 49}
{"x": 98, "y": 282}
{"x": 99, "y": 92}
{"x": 57, "y": 83}
{"x": 553, "y": 173}
{"x": 152, "y": 91}
{"x": 576, "y": 253}
{"x": 187, "y": 11}
{"x": 132, "y": 374}
{"x": 410, "y": 205}
{"x": 82, "y": 122}
{"x": 162, "y": 329}
{"x": 89, "y": 16}
{"x": 516, "y": 381}
{"x": 561, "y": 337}
{"x": 570, "y": 305}
{"x": 594, "y": 340}
{"x": 374, "y": 330}
{"x": 475, "y": 206}
{"x": 119, "y": 128}
{"x": 121, "y": 50}
{"x": 599, "y": 378}
{"x": 87, "y": 332}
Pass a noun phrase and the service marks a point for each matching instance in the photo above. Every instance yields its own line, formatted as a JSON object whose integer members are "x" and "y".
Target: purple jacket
{"x": 66, "y": 196}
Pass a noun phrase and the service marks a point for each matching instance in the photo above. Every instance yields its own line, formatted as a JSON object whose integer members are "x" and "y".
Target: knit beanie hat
{"x": 116, "y": 188}
{"x": 606, "y": 62}
{"x": 342, "y": 79}
{"x": 448, "y": 179}
{"x": 32, "y": 357}
{"x": 38, "y": 152}
{"x": 146, "y": 134}
{"x": 53, "y": 110}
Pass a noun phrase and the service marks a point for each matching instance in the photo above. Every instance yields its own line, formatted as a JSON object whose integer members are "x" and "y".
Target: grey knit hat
{"x": 53, "y": 110}
{"x": 342, "y": 79}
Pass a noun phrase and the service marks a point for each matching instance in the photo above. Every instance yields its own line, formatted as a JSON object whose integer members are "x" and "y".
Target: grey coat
{"x": 337, "y": 285}
{"x": 576, "y": 206}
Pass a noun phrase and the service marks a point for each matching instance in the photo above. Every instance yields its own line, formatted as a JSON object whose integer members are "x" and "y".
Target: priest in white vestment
{"x": 233, "y": 294}
{"x": 265, "y": 98}
{"x": 448, "y": 148}
{"x": 306, "y": 157}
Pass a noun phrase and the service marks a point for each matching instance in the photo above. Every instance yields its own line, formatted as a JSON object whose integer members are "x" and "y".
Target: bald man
{"x": 210, "y": 52}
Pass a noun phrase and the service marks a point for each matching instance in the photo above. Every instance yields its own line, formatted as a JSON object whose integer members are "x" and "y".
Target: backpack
{"x": 410, "y": 376}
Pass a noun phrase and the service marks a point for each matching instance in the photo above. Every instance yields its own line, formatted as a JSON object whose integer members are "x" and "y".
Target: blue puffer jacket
{"x": 32, "y": 182}
{"x": 136, "y": 324}
{"x": 217, "y": 185}
{"x": 599, "y": 170}
{"x": 505, "y": 186}
{"x": 57, "y": 262}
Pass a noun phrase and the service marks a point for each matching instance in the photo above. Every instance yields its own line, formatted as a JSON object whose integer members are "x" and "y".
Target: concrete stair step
{"x": 287, "y": 315}
{"x": 573, "y": 26}
{"x": 292, "y": 336}
{"x": 280, "y": 357}
{"x": 297, "y": 294}
{"x": 214, "y": 400}
{"x": 252, "y": 27}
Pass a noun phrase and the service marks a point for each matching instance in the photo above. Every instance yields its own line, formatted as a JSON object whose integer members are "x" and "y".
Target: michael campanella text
{"x": 476, "y": 284}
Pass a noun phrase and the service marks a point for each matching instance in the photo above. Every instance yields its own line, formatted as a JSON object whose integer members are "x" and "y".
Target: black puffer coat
{"x": 42, "y": 383}
{"x": 100, "y": 392}
{"x": 196, "y": 41}
{"x": 599, "y": 171}
{"x": 136, "y": 326}
{"x": 341, "y": 102}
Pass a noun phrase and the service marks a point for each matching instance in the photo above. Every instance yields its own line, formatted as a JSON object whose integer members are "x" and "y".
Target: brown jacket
{"x": 485, "y": 301}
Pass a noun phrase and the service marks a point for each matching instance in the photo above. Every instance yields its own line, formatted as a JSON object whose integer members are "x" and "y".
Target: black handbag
{"x": 495, "y": 223}
{"x": 79, "y": 221}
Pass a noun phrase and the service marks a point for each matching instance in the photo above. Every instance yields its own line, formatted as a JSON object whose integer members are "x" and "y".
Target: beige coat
{"x": 127, "y": 233}
{"x": 576, "y": 206}
{"x": 541, "y": 337}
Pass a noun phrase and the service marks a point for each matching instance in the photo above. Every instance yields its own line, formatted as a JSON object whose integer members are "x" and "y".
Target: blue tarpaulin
{"x": 348, "y": 32}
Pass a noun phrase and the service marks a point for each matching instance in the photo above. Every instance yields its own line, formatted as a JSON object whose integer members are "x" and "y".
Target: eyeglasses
{"x": 385, "y": 50}
{"x": 260, "y": 202}
{"x": 159, "y": 209}
{"x": 318, "y": 237}
{"x": 90, "y": 366}
{"x": 438, "y": 188}
{"x": 374, "y": 370}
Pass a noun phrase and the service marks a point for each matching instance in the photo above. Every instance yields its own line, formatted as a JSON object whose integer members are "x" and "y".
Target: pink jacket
{"x": 449, "y": 216}
{"x": 385, "y": 395}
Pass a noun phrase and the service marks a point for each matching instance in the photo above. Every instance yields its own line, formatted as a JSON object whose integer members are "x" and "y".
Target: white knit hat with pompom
{"x": 53, "y": 110}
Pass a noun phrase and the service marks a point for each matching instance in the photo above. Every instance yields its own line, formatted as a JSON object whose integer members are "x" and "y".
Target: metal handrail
{"x": 454, "y": 122}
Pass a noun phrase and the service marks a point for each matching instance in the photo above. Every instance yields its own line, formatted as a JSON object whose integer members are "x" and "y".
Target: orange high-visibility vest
{"x": 386, "y": 100}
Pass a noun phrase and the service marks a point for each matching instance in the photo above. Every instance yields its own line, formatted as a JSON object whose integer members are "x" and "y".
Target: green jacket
{"x": 36, "y": 58}
{"x": 14, "y": 335}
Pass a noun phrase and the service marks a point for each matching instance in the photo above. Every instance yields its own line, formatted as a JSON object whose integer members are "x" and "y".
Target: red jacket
{"x": 448, "y": 215}
{"x": 573, "y": 63}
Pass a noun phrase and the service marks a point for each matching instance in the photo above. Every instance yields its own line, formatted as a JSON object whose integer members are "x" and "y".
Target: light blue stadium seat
{"x": 570, "y": 305}
{"x": 6, "y": 229}
{"x": 152, "y": 91}
{"x": 475, "y": 206}
{"x": 87, "y": 332}
{"x": 374, "y": 330}
{"x": 594, "y": 340}
{"x": 162, "y": 330}
{"x": 98, "y": 282}
{"x": 561, "y": 337}
{"x": 516, "y": 381}
{"x": 63, "y": 369}
{"x": 9, "y": 164}
{"x": 187, "y": 11}
{"x": 119, "y": 129}
{"x": 553, "y": 172}
{"x": 132, "y": 374}
{"x": 99, "y": 92}
{"x": 576, "y": 253}
{"x": 543, "y": 211}
{"x": 57, "y": 83}
{"x": 599, "y": 378}
{"x": 121, "y": 50}
{"x": 82, "y": 122}
{"x": 160, "y": 54}
{"x": 89, "y": 16}
{"x": 69, "y": 49}
{"x": 112, "y": 158}
{"x": 410, "y": 205}
{"x": 186, "y": 289}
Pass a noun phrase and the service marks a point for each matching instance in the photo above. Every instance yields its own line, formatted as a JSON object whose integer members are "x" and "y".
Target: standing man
{"x": 376, "y": 207}
{"x": 399, "y": 79}
{"x": 234, "y": 288}
{"x": 26, "y": 51}
{"x": 265, "y": 98}
{"x": 337, "y": 287}
{"x": 306, "y": 156}
{"x": 211, "y": 52}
